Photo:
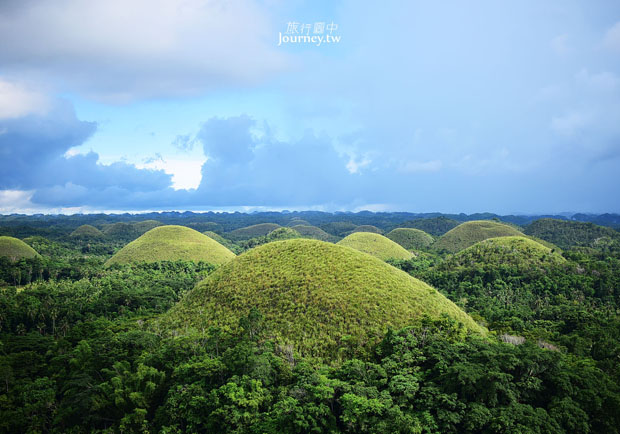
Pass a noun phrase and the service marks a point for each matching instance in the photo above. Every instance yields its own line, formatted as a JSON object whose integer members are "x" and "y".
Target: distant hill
{"x": 87, "y": 232}
{"x": 375, "y": 245}
{"x": 339, "y": 229}
{"x": 469, "y": 233}
{"x": 313, "y": 232}
{"x": 172, "y": 243}
{"x": 259, "y": 230}
{"x": 436, "y": 226}
{"x": 145, "y": 225}
{"x": 410, "y": 238}
{"x": 320, "y": 298}
{"x": 15, "y": 249}
{"x": 367, "y": 228}
{"x": 567, "y": 234}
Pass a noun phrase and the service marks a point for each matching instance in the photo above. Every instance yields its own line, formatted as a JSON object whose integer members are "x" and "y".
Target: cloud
{"x": 35, "y": 157}
{"x": 611, "y": 40}
{"x": 17, "y": 100}
{"x": 418, "y": 166}
{"x": 119, "y": 51}
{"x": 559, "y": 44}
{"x": 604, "y": 81}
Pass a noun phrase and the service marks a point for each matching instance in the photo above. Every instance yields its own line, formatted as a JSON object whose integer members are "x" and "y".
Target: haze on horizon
{"x": 174, "y": 105}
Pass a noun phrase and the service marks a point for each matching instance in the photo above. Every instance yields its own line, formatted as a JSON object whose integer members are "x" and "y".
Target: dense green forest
{"x": 82, "y": 350}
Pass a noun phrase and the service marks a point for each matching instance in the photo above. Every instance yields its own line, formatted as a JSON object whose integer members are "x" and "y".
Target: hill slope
{"x": 411, "y": 239}
{"x": 567, "y": 234}
{"x": 514, "y": 250}
{"x": 367, "y": 228}
{"x": 259, "y": 230}
{"x": 469, "y": 233}
{"x": 171, "y": 243}
{"x": 15, "y": 249}
{"x": 375, "y": 245}
{"x": 318, "y": 296}
{"x": 313, "y": 232}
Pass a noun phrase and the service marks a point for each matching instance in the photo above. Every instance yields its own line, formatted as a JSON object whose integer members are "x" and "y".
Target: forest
{"x": 309, "y": 323}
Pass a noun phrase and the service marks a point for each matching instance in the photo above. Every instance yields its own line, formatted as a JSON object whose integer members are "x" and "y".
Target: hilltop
{"x": 320, "y": 297}
{"x": 313, "y": 232}
{"x": 469, "y": 233}
{"x": 375, "y": 245}
{"x": 171, "y": 243}
{"x": 436, "y": 226}
{"x": 15, "y": 249}
{"x": 411, "y": 239}
{"x": 259, "y": 230}
{"x": 87, "y": 232}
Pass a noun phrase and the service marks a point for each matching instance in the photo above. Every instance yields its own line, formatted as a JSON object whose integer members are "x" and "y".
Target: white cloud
{"x": 570, "y": 124}
{"x": 611, "y": 40}
{"x": 604, "y": 81}
{"x": 118, "y": 50}
{"x": 186, "y": 173}
{"x": 418, "y": 166}
{"x": 559, "y": 44}
{"x": 16, "y": 100}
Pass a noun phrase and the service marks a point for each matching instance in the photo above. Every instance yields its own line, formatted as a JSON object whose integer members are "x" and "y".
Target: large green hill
{"x": 375, "y": 245}
{"x": 516, "y": 251}
{"x": 313, "y": 232}
{"x": 320, "y": 297}
{"x": 367, "y": 228}
{"x": 469, "y": 233}
{"x": 411, "y": 239}
{"x": 567, "y": 234}
{"x": 171, "y": 243}
{"x": 15, "y": 249}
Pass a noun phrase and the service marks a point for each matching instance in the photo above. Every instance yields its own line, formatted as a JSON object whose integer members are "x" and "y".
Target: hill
{"x": 145, "y": 226}
{"x": 259, "y": 230}
{"x": 223, "y": 241}
{"x": 469, "y": 233}
{"x": 87, "y": 232}
{"x": 367, "y": 228}
{"x": 436, "y": 226}
{"x": 411, "y": 239}
{"x": 15, "y": 249}
{"x": 516, "y": 251}
{"x": 297, "y": 222}
{"x": 375, "y": 245}
{"x": 339, "y": 229}
{"x": 313, "y": 232}
{"x": 567, "y": 234}
{"x": 120, "y": 230}
{"x": 321, "y": 298}
{"x": 171, "y": 243}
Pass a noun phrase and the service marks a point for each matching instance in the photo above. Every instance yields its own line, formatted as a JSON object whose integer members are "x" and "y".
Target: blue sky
{"x": 508, "y": 107}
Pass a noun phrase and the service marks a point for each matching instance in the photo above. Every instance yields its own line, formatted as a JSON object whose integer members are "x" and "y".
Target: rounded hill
{"x": 317, "y": 296}
{"x": 259, "y": 230}
{"x": 15, "y": 249}
{"x": 469, "y": 233}
{"x": 87, "y": 232}
{"x": 367, "y": 228}
{"x": 513, "y": 250}
{"x": 375, "y": 245}
{"x": 172, "y": 243}
{"x": 411, "y": 239}
{"x": 312, "y": 232}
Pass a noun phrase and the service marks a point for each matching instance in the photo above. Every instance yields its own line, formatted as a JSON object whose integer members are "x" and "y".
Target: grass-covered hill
{"x": 469, "y": 233}
{"x": 223, "y": 241}
{"x": 436, "y": 226}
{"x": 87, "y": 232}
{"x": 338, "y": 229}
{"x": 307, "y": 231}
{"x": 259, "y": 230}
{"x": 172, "y": 243}
{"x": 516, "y": 251}
{"x": 119, "y": 230}
{"x": 367, "y": 228}
{"x": 375, "y": 245}
{"x": 567, "y": 234}
{"x": 297, "y": 222}
{"x": 322, "y": 298}
{"x": 411, "y": 239}
{"x": 15, "y": 249}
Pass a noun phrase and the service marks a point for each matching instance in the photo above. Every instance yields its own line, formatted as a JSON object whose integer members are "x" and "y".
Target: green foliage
{"x": 411, "y": 239}
{"x": 171, "y": 243}
{"x": 259, "y": 230}
{"x": 375, "y": 245}
{"x": 436, "y": 226}
{"x": 275, "y": 235}
{"x": 15, "y": 249}
{"x": 338, "y": 229}
{"x": 325, "y": 300}
{"x": 469, "y": 233}
{"x": 567, "y": 234}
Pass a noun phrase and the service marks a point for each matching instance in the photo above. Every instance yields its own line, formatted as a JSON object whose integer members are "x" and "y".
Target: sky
{"x": 449, "y": 106}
